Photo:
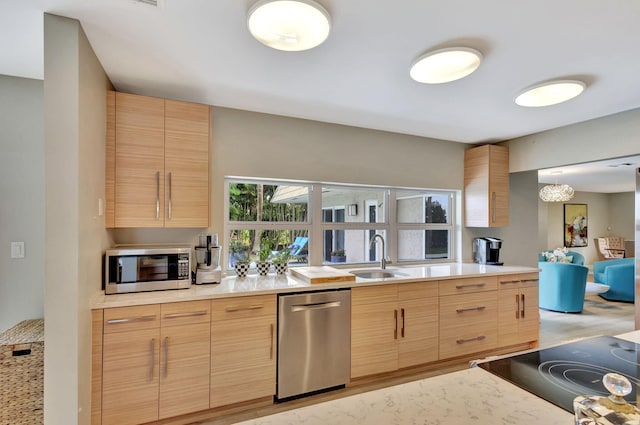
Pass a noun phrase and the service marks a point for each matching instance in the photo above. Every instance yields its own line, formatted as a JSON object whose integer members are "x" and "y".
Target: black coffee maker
{"x": 487, "y": 251}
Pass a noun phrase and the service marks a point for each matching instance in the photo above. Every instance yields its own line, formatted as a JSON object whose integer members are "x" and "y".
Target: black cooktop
{"x": 559, "y": 374}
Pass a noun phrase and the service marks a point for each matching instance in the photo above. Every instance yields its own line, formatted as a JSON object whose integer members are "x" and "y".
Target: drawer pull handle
{"x": 187, "y": 314}
{"x": 402, "y": 314}
{"x": 517, "y": 306}
{"x": 247, "y": 308}
{"x": 462, "y": 310}
{"x": 531, "y": 280}
{"x": 152, "y": 350}
{"x": 471, "y": 285}
{"x": 166, "y": 356}
{"x": 131, "y": 320}
{"x": 509, "y": 282}
{"x": 395, "y": 318}
{"x": 478, "y": 338}
{"x": 522, "y": 312}
{"x": 272, "y": 340}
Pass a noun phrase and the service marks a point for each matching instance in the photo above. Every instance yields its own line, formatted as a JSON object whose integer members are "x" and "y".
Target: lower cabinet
{"x": 155, "y": 362}
{"x": 393, "y": 326}
{"x": 243, "y": 349}
{"x": 519, "y": 318}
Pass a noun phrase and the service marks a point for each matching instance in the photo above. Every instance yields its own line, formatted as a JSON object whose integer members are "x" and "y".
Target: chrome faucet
{"x": 383, "y": 259}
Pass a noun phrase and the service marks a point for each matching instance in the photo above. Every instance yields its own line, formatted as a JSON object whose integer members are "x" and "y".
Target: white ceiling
{"x": 200, "y": 50}
{"x": 610, "y": 176}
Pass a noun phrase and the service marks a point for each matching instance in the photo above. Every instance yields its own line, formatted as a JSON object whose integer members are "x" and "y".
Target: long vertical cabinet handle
{"x": 517, "y": 306}
{"x": 157, "y": 195}
{"x": 395, "y": 319}
{"x": 522, "y": 312}
{"x": 271, "y": 347}
{"x": 402, "y": 329}
{"x": 166, "y": 356}
{"x": 169, "y": 195}
{"x": 152, "y": 349}
{"x": 493, "y": 207}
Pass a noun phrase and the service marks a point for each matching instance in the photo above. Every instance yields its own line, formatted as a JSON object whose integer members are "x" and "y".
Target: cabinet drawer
{"x": 415, "y": 290}
{"x": 471, "y": 339}
{"x": 518, "y": 280}
{"x": 374, "y": 294}
{"x": 461, "y": 311}
{"x": 467, "y": 285}
{"x": 125, "y": 319}
{"x": 243, "y": 307}
{"x": 185, "y": 313}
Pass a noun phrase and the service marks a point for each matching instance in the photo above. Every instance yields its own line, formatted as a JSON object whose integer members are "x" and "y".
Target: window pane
{"x": 351, "y": 246}
{"x": 422, "y": 207}
{"x": 246, "y": 244}
{"x": 353, "y": 205}
{"x": 420, "y": 244}
{"x": 282, "y": 203}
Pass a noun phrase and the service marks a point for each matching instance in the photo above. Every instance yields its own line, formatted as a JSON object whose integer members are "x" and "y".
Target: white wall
{"x": 22, "y": 194}
{"x": 621, "y": 215}
{"x": 75, "y": 109}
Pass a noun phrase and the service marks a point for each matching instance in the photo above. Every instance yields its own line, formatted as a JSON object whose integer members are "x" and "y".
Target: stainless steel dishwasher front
{"x": 314, "y": 342}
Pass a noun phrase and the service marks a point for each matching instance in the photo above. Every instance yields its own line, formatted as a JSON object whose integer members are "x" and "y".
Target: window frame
{"x": 316, "y": 227}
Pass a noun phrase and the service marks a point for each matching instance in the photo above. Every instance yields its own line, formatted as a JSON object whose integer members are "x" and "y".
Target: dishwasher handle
{"x": 315, "y": 306}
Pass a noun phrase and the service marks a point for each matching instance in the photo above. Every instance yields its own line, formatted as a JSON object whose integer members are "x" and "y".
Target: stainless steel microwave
{"x": 144, "y": 268}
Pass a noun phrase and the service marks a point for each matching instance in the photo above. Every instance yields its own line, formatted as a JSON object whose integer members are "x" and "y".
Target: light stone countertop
{"x": 470, "y": 396}
{"x": 274, "y": 284}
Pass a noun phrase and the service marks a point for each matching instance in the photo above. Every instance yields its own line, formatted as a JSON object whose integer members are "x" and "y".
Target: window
{"x": 424, "y": 225}
{"x": 417, "y": 224}
{"x": 267, "y": 214}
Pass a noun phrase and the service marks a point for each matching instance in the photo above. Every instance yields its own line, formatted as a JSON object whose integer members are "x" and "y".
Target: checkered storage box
{"x": 22, "y": 373}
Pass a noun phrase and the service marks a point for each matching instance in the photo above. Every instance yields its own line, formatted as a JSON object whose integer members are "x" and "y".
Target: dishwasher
{"x": 314, "y": 342}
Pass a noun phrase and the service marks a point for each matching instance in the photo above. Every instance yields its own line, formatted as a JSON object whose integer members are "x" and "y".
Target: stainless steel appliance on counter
{"x": 314, "y": 342}
{"x": 208, "y": 259}
{"x": 146, "y": 268}
{"x": 487, "y": 251}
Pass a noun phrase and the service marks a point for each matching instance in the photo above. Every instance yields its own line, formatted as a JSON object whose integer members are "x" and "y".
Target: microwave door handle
{"x": 119, "y": 272}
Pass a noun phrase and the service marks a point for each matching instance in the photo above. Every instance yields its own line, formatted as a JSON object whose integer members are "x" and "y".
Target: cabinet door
{"x": 186, "y": 164}
{"x": 243, "y": 349}
{"x": 486, "y": 186}
{"x": 184, "y": 358}
{"x": 418, "y": 339}
{"x": 508, "y": 315}
{"x": 243, "y": 360}
{"x": 130, "y": 377}
{"x": 529, "y": 325}
{"x": 139, "y": 161}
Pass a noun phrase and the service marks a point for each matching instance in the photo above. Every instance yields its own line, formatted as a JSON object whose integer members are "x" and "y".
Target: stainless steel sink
{"x": 378, "y": 274}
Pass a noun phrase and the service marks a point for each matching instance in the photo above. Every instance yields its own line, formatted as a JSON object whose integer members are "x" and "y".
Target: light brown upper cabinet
{"x": 486, "y": 186}
{"x": 157, "y": 162}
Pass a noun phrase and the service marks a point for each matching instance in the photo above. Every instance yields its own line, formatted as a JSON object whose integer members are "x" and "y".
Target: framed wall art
{"x": 575, "y": 225}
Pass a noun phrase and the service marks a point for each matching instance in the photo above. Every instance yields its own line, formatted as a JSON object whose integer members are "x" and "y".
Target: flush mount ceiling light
{"x": 290, "y": 25}
{"x": 551, "y": 93}
{"x": 556, "y": 192}
{"x": 444, "y": 65}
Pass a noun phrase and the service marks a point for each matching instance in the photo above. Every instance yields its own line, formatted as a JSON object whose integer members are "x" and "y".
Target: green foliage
{"x": 282, "y": 257}
{"x": 265, "y": 250}
{"x": 338, "y": 253}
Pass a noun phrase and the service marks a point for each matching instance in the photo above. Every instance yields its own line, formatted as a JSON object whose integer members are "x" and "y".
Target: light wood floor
{"x": 599, "y": 317}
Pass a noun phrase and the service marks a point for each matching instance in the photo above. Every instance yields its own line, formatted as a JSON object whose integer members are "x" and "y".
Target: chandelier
{"x": 556, "y": 193}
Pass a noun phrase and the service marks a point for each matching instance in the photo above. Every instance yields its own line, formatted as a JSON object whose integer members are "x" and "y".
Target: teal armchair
{"x": 562, "y": 285}
{"x": 619, "y": 274}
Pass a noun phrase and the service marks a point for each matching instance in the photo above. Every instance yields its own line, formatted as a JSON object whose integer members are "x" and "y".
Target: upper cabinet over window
{"x": 157, "y": 162}
{"x": 486, "y": 186}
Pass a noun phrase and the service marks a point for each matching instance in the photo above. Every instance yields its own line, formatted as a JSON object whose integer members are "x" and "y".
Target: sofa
{"x": 562, "y": 285}
{"x": 619, "y": 274}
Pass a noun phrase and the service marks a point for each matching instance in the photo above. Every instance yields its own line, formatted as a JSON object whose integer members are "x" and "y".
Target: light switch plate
{"x": 17, "y": 249}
